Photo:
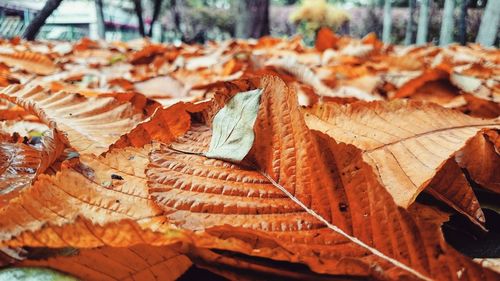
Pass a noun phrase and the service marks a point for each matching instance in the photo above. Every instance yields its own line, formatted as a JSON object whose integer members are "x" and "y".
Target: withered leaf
{"x": 21, "y": 163}
{"x": 32, "y": 62}
{"x": 301, "y": 197}
{"x": 233, "y": 127}
{"x": 72, "y": 209}
{"x": 481, "y": 158}
{"x": 83, "y": 120}
{"x": 406, "y": 142}
{"x": 138, "y": 262}
{"x": 135, "y": 196}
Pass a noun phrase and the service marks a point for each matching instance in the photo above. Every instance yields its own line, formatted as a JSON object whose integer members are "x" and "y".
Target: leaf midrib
{"x": 343, "y": 233}
{"x": 432, "y": 132}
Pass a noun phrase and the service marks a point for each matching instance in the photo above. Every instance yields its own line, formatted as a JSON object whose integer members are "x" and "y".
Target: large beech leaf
{"x": 91, "y": 202}
{"x": 90, "y": 124}
{"x": 298, "y": 197}
{"x": 199, "y": 194}
{"x": 407, "y": 143}
{"x": 138, "y": 262}
{"x": 95, "y": 202}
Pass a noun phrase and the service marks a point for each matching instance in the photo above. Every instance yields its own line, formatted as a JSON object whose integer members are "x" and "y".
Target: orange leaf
{"x": 138, "y": 262}
{"x": 406, "y": 143}
{"x": 21, "y": 163}
{"x": 83, "y": 120}
{"x": 31, "y": 62}
{"x": 91, "y": 202}
{"x": 411, "y": 86}
{"x": 165, "y": 125}
{"x": 481, "y": 159}
{"x": 298, "y": 197}
{"x": 452, "y": 187}
{"x": 325, "y": 39}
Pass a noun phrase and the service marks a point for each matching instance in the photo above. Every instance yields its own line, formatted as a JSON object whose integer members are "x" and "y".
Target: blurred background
{"x": 197, "y": 21}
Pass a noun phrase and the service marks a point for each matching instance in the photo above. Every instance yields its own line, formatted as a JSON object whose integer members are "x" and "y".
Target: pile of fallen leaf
{"x": 256, "y": 160}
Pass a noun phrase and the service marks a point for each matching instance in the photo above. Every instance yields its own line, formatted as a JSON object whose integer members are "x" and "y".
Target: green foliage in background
{"x": 33, "y": 274}
{"x": 311, "y": 15}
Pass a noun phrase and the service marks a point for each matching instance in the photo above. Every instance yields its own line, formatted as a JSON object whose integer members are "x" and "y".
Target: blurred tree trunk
{"x": 386, "y": 33}
{"x": 345, "y": 29}
{"x": 423, "y": 22}
{"x": 138, "y": 12}
{"x": 37, "y": 23}
{"x": 462, "y": 25}
{"x": 156, "y": 14}
{"x": 253, "y": 18}
{"x": 488, "y": 30}
{"x": 446, "y": 35}
{"x": 410, "y": 25}
{"x": 177, "y": 18}
{"x": 101, "y": 28}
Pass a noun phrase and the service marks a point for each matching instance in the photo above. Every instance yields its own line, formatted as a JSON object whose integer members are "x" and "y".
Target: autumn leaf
{"x": 21, "y": 162}
{"x": 65, "y": 211}
{"x": 233, "y": 127}
{"x": 451, "y": 186}
{"x": 481, "y": 88}
{"x": 478, "y": 107}
{"x": 480, "y": 157}
{"x": 325, "y": 39}
{"x": 304, "y": 180}
{"x": 32, "y": 62}
{"x": 299, "y": 197}
{"x": 306, "y": 75}
{"x": 406, "y": 143}
{"x": 162, "y": 88}
{"x": 122, "y": 83}
{"x": 91, "y": 202}
{"x": 83, "y": 120}
{"x": 165, "y": 125}
{"x": 138, "y": 262}
{"x": 146, "y": 54}
{"x": 408, "y": 88}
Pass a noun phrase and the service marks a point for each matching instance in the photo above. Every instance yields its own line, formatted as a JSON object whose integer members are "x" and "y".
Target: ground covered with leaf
{"x": 249, "y": 160}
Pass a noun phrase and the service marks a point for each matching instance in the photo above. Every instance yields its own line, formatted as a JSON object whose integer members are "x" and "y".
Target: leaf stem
{"x": 340, "y": 231}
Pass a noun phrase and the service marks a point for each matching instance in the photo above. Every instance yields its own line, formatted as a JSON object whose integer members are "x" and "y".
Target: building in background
{"x": 73, "y": 20}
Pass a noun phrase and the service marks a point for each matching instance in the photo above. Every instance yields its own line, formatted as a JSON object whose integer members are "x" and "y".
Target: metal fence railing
{"x": 11, "y": 26}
